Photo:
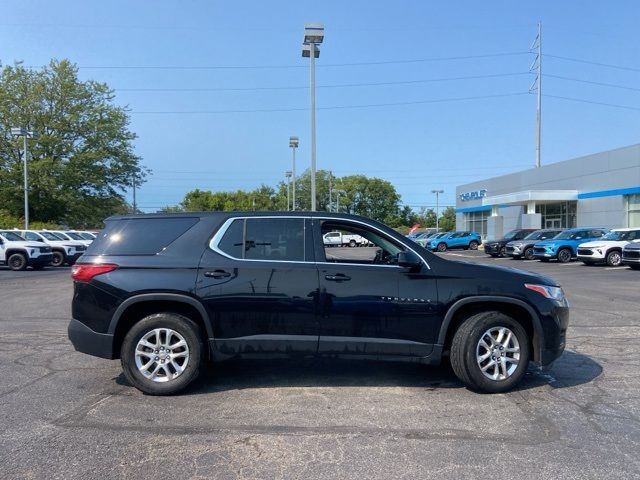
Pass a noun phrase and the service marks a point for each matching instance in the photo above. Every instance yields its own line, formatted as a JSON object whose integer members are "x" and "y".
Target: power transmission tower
{"x": 536, "y": 86}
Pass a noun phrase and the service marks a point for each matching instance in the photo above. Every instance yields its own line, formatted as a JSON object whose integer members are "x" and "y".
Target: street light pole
{"x": 287, "y": 174}
{"x": 24, "y": 133}
{"x": 437, "y": 192}
{"x": 313, "y": 36}
{"x": 293, "y": 143}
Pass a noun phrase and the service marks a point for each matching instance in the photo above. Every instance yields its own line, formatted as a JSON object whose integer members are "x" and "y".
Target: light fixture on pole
{"x": 25, "y": 134}
{"x": 293, "y": 144}
{"x": 313, "y": 36}
{"x": 288, "y": 175}
{"x": 437, "y": 192}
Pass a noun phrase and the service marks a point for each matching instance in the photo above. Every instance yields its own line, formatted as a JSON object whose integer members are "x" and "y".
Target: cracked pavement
{"x": 68, "y": 415}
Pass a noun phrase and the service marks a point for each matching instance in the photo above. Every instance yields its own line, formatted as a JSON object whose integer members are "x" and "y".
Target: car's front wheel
{"x": 564, "y": 255}
{"x": 614, "y": 259}
{"x": 473, "y": 245}
{"x": 528, "y": 253}
{"x": 442, "y": 247}
{"x": 17, "y": 261}
{"x": 162, "y": 353}
{"x": 490, "y": 352}
{"x": 58, "y": 259}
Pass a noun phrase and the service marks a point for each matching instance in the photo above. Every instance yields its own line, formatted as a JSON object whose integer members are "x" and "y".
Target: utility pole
{"x": 135, "y": 205}
{"x": 536, "y": 86}
{"x": 437, "y": 192}
{"x": 287, "y": 174}
{"x": 25, "y": 134}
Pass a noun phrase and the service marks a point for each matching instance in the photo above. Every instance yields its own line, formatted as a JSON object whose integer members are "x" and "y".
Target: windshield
{"x": 12, "y": 237}
{"x": 537, "y": 235}
{"x": 74, "y": 236}
{"x": 50, "y": 236}
{"x": 511, "y": 234}
{"x": 622, "y": 236}
{"x": 87, "y": 236}
{"x": 61, "y": 236}
{"x": 567, "y": 235}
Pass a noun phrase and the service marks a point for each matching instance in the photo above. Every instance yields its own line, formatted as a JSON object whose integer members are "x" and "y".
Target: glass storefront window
{"x": 477, "y": 222}
{"x": 633, "y": 210}
{"x": 558, "y": 215}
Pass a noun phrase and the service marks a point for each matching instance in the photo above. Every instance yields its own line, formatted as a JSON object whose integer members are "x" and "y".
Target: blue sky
{"x": 437, "y": 143}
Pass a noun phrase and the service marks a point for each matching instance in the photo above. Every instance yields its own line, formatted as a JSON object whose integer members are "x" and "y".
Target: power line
{"x": 602, "y": 84}
{"x": 338, "y": 85}
{"x": 589, "y": 62}
{"x": 324, "y": 65}
{"x": 581, "y": 100}
{"x": 334, "y": 107}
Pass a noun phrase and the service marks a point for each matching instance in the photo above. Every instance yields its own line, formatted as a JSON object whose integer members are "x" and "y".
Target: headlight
{"x": 554, "y": 293}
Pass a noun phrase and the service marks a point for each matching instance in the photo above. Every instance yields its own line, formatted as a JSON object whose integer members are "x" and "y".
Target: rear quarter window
{"x": 139, "y": 236}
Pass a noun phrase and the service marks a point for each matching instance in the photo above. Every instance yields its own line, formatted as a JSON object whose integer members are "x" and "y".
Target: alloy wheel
{"x": 614, "y": 259}
{"x": 162, "y": 354}
{"x": 498, "y": 353}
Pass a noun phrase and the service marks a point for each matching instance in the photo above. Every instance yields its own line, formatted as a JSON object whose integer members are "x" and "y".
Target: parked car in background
{"x": 228, "y": 297}
{"x": 339, "y": 239}
{"x": 63, "y": 251}
{"x": 524, "y": 248}
{"x": 86, "y": 235}
{"x": 608, "y": 249}
{"x": 464, "y": 240}
{"x": 62, "y": 235}
{"x": 73, "y": 235}
{"x": 18, "y": 253}
{"x": 424, "y": 238}
{"x": 564, "y": 246}
{"x": 631, "y": 255}
{"x": 497, "y": 248}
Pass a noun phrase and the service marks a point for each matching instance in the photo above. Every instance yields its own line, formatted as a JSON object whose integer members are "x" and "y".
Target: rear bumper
{"x": 90, "y": 342}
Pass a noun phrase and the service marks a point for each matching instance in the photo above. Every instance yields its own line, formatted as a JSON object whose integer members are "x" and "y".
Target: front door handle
{"x": 338, "y": 277}
{"x": 217, "y": 274}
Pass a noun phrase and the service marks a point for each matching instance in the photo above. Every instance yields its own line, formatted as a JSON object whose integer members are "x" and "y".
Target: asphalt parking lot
{"x": 68, "y": 415}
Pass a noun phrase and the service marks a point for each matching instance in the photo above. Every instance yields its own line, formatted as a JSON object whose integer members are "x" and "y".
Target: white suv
{"x": 64, "y": 251}
{"x": 18, "y": 253}
{"x": 608, "y": 248}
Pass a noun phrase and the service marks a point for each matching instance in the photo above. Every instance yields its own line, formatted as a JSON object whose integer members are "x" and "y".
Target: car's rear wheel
{"x": 473, "y": 245}
{"x": 490, "y": 352}
{"x": 58, "y": 259}
{"x": 17, "y": 261}
{"x": 528, "y": 253}
{"x": 564, "y": 255}
{"x": 162, "y": 353}
{"x": 614, "y": 258}
{"x": 352, "y": 243}
{"x": 442, "y": 247}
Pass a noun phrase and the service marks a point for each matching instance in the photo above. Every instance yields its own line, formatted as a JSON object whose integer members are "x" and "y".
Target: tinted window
{"x": 231, "y": 242}
{"x": 274, "y": 239}
{"x": 32, "y": 236}
{"x": 140, "y": 236}
{"x": 13, "y": 237}
{"x": 74, "y": 236}
{"x": 50, "y": 236}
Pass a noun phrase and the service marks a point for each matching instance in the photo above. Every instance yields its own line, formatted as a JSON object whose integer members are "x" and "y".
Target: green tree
{"x": 448, "y": 220}
{"x": 82, "y": 160}
{"x": 427, "y": 218}
{"x": 371, "y": 197}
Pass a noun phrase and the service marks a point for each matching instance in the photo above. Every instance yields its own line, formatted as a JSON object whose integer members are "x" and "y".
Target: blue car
{"x": 564, "y": 246}
{"x": 466, "y": 240}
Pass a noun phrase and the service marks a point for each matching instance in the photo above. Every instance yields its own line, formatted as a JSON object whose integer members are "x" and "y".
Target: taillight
{"x": 84, "y": 272}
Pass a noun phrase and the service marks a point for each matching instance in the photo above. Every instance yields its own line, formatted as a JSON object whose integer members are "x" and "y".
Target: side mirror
{"x": 409, "y": 259}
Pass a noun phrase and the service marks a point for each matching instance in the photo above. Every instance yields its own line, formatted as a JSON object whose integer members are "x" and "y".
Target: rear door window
{"x": 269, "y": 239}
{"x": 140, "y": 236}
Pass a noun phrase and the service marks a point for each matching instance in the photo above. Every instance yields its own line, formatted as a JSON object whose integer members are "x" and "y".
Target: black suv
{"x": 164, "y": 293}
{"x": 497, "y": 248}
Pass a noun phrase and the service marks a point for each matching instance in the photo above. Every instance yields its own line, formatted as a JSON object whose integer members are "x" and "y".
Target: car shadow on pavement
{"x": 569, "y": 370}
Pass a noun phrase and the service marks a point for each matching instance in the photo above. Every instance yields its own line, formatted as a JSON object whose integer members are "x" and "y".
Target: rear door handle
{"x": 338, "y": 277}
{"x": 217, "y": 274}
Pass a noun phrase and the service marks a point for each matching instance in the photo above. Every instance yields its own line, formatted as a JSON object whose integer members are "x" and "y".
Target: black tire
{"x": 464, "y": 347}
{"x": 503, "y": 252}
{"x": 352, "y": 243}
{"x": 614, "y": 258}
{"x": 187, "y": 328}
{"x": 17, "y": 261}
{"x": 58, "y": 258}
{"x": 442, "y": 247}
{"x": 528, "y": 253}
{"x": 564, "y": 255}
{"x": 473, "y": 245}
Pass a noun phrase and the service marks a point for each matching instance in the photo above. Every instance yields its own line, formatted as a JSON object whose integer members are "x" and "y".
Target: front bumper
{"x": 591, "y": 254}
{"x": 41, "y": 260}
{"x": 90, "y": 342}
{"x": 545, "y": 254}
{"x": 492, "y": 248}
{"x": 631, "y": 257}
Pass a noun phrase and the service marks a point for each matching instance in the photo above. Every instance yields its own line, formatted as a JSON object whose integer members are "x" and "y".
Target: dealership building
{"x": 600, "y": 190}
